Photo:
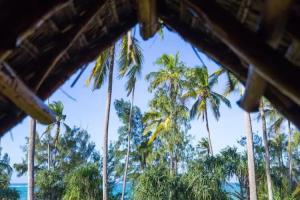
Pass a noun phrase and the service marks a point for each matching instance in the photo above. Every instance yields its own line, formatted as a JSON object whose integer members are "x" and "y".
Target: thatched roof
{"x": 45, "y": 43}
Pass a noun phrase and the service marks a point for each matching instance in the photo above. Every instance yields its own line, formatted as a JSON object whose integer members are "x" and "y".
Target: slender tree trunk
{"x": 128, "y": 146}
{"x": 106, "y": 124}
{"x": 48, "y": 151}
{"x": 208, "y": 132}
{"x": 56, "y": 138}
{"x": 57, "y": 133}
{"x": 267, "y": 154}
{"x": 290, "y": 155}
{"x": 250, "y": 156}
{"x": 31, "y": 152}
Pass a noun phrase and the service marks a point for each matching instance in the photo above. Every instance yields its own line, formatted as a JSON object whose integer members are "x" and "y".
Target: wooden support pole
{"x": 14, "y": 89}
{"x": 226, "y": 58}
{"x": 271, "y": 29}
{"x": 270, "y": 65}
{"x": 147, "y": 17}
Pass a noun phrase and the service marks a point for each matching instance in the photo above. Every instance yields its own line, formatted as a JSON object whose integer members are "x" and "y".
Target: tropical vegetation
{"x": 154, "y": 155}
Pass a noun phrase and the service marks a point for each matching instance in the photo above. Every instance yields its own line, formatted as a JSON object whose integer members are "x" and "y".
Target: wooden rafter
{"x": 270, "y": 65}
{"x": 74, "y": 36}
{"x": 15, "y": 90}
{"x": 147, "y": 17}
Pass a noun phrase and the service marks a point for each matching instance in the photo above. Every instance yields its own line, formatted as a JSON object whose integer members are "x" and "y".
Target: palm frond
{"x": 194, "y": 109}
{"x": 214, "y": 103}
{"x": 100, "y": 70}
{"x": 162, "y": 126}
{"x": 222, "y": 98}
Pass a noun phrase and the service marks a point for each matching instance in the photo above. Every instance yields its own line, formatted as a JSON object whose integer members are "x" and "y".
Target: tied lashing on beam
{"x": 15, "y": 90}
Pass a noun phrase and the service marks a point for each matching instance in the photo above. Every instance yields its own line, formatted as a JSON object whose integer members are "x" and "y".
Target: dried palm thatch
{"x": 46, "y": 43}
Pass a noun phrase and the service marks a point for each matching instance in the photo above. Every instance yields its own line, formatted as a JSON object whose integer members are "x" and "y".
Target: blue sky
{"x": 88, "y": 109}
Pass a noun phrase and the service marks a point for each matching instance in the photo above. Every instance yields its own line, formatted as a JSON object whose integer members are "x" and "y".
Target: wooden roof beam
{"x": 271, "y": 29}
{"x": 15, "y": 90}
{"x": 221, "y": 55}
{"x": 147, "y": 17}
{"x": 270, "y": 65}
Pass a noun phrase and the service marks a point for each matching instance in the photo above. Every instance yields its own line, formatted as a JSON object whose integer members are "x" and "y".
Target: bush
{"x": 84, "y": 183}
{"x": 9, "y": 194}
{"x": 50, "y": 185}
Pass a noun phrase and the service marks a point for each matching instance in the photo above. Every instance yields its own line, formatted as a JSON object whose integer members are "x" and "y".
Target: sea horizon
{"x": 22, "y": 188}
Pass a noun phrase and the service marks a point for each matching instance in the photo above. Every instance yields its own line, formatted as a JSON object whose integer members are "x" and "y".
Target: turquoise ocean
{"x": 22, "y": 189}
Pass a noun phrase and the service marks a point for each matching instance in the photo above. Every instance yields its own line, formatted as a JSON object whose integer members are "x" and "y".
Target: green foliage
{"x": 6, "y": 193}
{"x": 83, "y": 183}
{"x": 205, "y": 180}
{"x": 154, "y": 184}
{"x": 50, "y": 185}
{"x": 139, "y": 149}
{"x": 73, "y": 149}
{"x": 9, "y": 194}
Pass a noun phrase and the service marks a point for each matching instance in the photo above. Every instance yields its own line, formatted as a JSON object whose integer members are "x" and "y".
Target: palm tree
{"x": 57, "y": 107}
{"x": 31, "y": 150}
{"x": 250, "y": 157}
{"x": 130, "y": 65}
{"x": 130, "y": 62}
{"x": 233, "y": 86}
{"x": 167, "y": 108}
{"x": 277, "y": 122}
{"x": 200, "y": 87}
{"x": 104, "y": 67}
{"x": 170, "y": 77}
{"x": 266, "y": 148}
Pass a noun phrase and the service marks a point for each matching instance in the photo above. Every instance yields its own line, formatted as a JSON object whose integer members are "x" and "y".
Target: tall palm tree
{"x": 31, "y": 150}
{"x": 104, "y": 67}
{"x": 277, "y": 123}
{"x": 168, "y": 108}
{"x": 57, "y": 107}
{"x": 250, "y": 157}
{"x": 170, "y": 77}
{"x": 200, "y": 86}
{"x": 235, "y": 86}
{"x": 130, "y": 66}
{"x": 165, "y": 119}
{"x": 266, "y": 148}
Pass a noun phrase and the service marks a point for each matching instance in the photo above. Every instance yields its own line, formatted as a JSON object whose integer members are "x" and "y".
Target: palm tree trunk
{"x": 31, "y": 152}
{"x": 128, "y": 146}
{"x": 48, "y": 151}
{"x": 208, "y": 132}
{"x": 106, "y": 124}
{"x": 267, "y": 154}
{"x": 55, "y": 143}
{"x": 290, "y": 155}
{"x": 250, "y": 156}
